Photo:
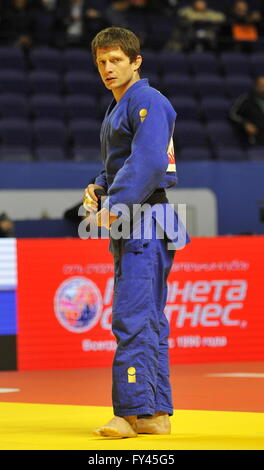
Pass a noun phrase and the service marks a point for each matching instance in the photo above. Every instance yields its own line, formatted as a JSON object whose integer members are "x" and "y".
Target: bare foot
{"x": 118, "y": 427}
{"x": 159, "y": 423}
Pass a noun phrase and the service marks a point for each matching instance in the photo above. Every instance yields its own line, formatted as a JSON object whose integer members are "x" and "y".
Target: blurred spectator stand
{"x": 247, "y": 113}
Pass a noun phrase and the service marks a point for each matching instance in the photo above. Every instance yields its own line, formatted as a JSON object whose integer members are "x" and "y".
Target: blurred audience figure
{"x": 47, "y": 26}
{"x": 93, "y": 19}
{"x": 7, "y": 228}
{"x": 142, "y": 4}
{"x": 117, "y": 13}
{"x": 165, "y": 6}
{"x": 247, "y": 113}
{"x": 81, "y": 19}
{"x": 72, "y": 14}
{"x": 49, "y": 4}
{"x": 243, "y": 28}
{"x": 1, "y": 23}
{"x": 138, "y": 19}
{"x": 197, "y": 26}
{"x": 17, "y": 24}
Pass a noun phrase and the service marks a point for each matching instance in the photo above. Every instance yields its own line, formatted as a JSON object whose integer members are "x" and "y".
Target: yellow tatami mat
{"x": 33, "y": 426}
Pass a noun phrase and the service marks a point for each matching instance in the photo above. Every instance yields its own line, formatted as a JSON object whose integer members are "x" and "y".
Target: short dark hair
{"x": 117, "y": 37}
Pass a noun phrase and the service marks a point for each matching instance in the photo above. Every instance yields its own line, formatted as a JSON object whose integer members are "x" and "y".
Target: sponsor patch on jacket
{"x": 171, "y": 156}
{"x": 143, "y": 114}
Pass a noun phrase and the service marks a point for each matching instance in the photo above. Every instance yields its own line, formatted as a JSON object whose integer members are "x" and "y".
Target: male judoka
{"x": 138, "y": 157}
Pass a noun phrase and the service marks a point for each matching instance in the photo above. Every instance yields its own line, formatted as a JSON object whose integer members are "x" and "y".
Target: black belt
{"x": 158, "y": 197}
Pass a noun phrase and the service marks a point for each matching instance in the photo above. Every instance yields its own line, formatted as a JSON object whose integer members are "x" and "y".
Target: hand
{"x": 251, "y": 129}
{"x": 104, "y": 218}
{"x": 90, "y": 200}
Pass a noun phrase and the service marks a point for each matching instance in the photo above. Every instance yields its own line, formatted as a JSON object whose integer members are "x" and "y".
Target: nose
{"x": 108, "y": 66}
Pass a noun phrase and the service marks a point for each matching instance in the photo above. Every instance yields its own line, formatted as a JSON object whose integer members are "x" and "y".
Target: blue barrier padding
{"x": 45, "y": 228}
{"x": 8, "y": 323}
{"x": 50, "y": 175}
{"x": 238, "y": 185}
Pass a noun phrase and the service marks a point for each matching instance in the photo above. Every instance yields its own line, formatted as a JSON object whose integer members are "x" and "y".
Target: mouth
{"x": 109, "y": 80}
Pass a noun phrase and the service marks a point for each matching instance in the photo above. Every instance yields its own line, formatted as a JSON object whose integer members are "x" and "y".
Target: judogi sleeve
{"x": 101, "y": 179}
{"x": 152, "y": 120}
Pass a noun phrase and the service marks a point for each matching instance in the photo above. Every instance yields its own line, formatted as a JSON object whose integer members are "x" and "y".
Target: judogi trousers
{"x": 141, "y": 365}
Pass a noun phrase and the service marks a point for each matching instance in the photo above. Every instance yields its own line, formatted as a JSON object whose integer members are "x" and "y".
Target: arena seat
{"x": 257, "y": 63}
{"x": 160, "y": 28}
{"x": 81, "y": 83}
{"x": 236, "y": 85}
{"x": 77, "y": 60}
{"x": 81, "y": 107}
{"x": 104, "y": 102}
{"x": 234, "y": 63}
{"x": 222, "y": 134}
{"x": 177, "y": 84}
{"x": 214, "y": 109}
{"x": 209, "y": 86}
{"x": 45, "y": 82}
{"x": 12, "y": 58}
{"x": 85, "y": 132}
{"x": 47, "y": 106}
{"x": 87, "y": 154}
{"x": 17, "y": 153}
{"x": 15, "y": 133}
{"x": 50, "y": 133}
{"x": 173, "y": 63}
{"x": 150, "y": 63}
{"x": 195, "y": 153}
{"x": 13, "y": 105}
{"x": 186, "y": 107}
{"x": 65, "y": 85}
{"x": 190, "y": 134}
{"x": 204, "y": 63}
{"x": 256, "y": 153}
{"x": 49, "y": 153}
{"x": 13, "y": 81}
{"x": 46, "y": 59}
{"x": 231, "y": 154}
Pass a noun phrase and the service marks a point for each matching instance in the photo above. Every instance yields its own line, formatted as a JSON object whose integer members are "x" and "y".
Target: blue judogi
{"x": 134, "y": 147}
{"x": 138, "y": 156}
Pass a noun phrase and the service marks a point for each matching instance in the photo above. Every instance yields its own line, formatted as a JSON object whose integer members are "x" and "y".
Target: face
{"x": 138, "y": 3}
{"x": 20, "y": 3}
{"x": 260, "y": 87}
{"x": 241, "y": 8}
{"x": 116, "y": 71}
{"x": 200, "y": 5}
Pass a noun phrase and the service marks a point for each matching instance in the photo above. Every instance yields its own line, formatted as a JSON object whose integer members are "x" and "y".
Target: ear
{"x": 138, "y": 63}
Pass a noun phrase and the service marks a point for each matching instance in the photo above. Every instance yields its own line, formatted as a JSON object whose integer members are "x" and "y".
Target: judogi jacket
{"x": 137, "y": 150}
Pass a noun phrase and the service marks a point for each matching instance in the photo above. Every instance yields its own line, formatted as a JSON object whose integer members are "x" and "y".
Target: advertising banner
{"x": 8, "y": 311}
{"x": 65, "y": 292}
